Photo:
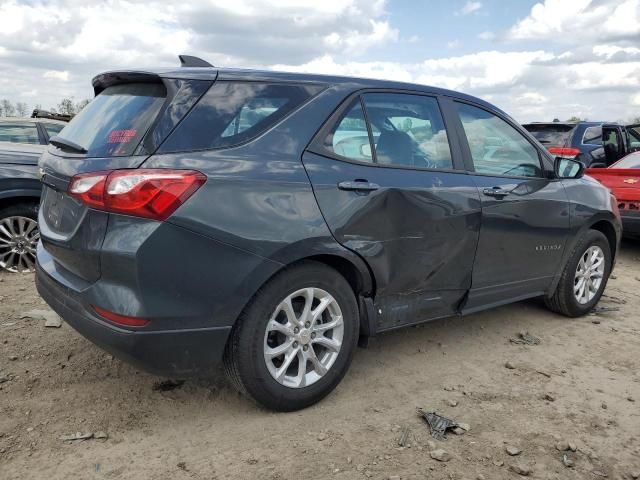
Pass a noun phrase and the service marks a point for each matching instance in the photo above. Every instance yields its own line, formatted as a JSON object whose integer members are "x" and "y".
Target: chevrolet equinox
{"x": 268, "y": 222}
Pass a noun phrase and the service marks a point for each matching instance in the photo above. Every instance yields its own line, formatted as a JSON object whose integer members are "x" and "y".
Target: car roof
{"x": 570, "y": 124}
{"x": 204, "y": 73}
{"x": 31, "y": 119}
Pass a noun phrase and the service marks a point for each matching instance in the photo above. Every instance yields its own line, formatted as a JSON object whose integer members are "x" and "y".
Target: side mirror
{"x": 567, "y": 168}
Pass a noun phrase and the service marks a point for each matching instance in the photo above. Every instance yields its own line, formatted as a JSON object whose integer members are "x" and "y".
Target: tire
{"x": 564, "y": 300}
{"x": 19, "y": 216}
{"x": 246, "y": 359}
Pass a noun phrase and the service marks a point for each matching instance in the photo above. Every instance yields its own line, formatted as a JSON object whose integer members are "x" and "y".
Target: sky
{"x": 535, "y": 60}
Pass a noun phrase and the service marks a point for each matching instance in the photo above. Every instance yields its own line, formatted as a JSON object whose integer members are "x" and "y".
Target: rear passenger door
{"x": 392, "y": 188}
{"x": 525, "y": 210}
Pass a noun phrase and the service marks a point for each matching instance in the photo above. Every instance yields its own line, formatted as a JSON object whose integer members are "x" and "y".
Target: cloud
{"x": 57, "y": 75}
{"x": 579, "y": 21}
{"x": 562, "y": 59}
{"x": 469, "y": 8}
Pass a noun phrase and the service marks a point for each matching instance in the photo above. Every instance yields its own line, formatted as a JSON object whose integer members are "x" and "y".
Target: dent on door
{"x": 417, "y": 232}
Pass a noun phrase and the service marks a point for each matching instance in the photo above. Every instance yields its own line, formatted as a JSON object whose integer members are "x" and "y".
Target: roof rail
{"x": 191, "y": 61}
{"x": 53, "y": 116}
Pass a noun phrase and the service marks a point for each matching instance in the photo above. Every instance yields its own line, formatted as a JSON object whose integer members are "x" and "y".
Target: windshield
{"x": 551, "y": 134}
{"x": 114, "y": 122}
{"x": 630, "y": 161}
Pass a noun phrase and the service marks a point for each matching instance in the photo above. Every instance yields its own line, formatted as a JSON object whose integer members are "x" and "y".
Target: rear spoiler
{"x": 108, "y": 79}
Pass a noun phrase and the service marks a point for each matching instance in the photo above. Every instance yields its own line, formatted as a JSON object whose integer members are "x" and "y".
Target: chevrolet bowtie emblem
{"x": 630, "y": 180}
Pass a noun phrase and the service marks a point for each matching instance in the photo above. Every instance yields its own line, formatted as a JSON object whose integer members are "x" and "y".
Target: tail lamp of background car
{"x": 564, "y": 152}
{"x": 148, "y": 193}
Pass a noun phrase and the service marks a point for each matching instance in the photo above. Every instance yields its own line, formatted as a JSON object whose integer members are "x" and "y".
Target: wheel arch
{"x": 608, "y": 230}
{"x": 14, "y": 197}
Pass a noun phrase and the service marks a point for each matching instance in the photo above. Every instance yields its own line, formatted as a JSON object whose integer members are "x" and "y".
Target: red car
{"x": 623, "y": 179}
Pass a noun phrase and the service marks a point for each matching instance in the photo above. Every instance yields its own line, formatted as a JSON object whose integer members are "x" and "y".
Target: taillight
{"x": 147, "y": 193}
{"x": 123, "y": 320}
{"x": 564, "y": 152}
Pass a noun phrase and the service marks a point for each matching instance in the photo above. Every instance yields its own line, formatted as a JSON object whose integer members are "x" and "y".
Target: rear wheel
{"x": 584, "y": 277}
{"x": 295, "y": 341}
{"x": 19, "y": 237}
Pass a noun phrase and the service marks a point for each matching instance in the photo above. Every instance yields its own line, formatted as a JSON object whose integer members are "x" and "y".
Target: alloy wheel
{"x": 303, "y": 337}
{"x": 589, "y": 274}
{"x": 18, "y": 241}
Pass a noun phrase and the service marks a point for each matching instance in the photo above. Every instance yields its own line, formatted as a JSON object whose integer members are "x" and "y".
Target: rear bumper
{"x": 173, "y": 353}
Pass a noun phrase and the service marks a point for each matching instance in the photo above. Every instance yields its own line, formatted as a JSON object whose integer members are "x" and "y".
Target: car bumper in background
{"x": 173, "y": 353}
{"x": 630, "y": 223}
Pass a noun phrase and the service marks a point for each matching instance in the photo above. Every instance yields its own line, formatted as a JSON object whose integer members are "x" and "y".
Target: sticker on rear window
{"x": 122, "y": 136}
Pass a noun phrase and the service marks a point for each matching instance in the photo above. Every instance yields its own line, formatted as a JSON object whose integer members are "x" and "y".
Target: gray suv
{"x": 269, "y": 221}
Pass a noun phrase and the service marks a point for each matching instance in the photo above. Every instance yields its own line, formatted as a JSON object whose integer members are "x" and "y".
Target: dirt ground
{"x": 56, "y": 383}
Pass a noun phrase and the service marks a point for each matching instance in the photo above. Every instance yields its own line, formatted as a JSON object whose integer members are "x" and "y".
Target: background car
{"x": 22, "y": 141}
{"x": 596, "y": 144}
{"x": 623, "y": 179}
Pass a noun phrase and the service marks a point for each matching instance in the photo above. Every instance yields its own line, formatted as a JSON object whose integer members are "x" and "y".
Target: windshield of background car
{"x": 551, "y": 134}
{"x": 630, "y": 161}
{"x": 115, "y": 121}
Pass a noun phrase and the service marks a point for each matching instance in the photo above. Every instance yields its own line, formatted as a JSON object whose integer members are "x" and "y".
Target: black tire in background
{"x": 563, "y": 300}
{"x": 27, "y": 209}
{"x": 244, "y": 358}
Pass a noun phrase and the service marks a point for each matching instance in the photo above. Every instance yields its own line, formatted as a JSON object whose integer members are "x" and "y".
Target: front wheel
{"x": 294, "y": 342}
{"x": 584, "y": 277}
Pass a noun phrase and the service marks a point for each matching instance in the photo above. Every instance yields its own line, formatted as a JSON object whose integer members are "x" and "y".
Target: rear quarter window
{"x": 114, "y": 122}
{"x": 231, "y": 113}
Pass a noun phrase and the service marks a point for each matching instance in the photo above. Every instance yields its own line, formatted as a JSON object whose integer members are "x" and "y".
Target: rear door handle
{"x": 358, "y": 186}
{"x": 495, "y": 192}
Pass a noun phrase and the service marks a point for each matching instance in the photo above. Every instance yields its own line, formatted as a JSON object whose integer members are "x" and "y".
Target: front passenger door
{"x": 392, "y": 189}
{"x": 525, "y": 212}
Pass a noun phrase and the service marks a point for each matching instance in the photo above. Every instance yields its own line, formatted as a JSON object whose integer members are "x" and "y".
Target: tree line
{"x": 67, "y": 106}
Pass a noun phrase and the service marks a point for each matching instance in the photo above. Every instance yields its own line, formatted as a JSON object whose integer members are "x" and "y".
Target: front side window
{"x": 19, "y": 132}
{"x": 349, "y": 137}
{"x": 496, "y": 147}
{"x": 231, "y": 113}
{"x": 408, "y": 130}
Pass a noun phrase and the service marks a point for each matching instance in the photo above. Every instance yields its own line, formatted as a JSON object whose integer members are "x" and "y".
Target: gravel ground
{"x": 578, "y": 388}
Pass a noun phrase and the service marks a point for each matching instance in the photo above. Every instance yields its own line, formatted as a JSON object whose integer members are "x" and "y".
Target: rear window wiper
{"x": 65, "y": 144}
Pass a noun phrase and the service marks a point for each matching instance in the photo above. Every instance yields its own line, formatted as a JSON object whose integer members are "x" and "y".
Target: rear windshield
{"x": 114, "y": 122}
{"x": 231, "y": 113}
{"x": 550, "y": 134}
{"x": 630, "y": 161}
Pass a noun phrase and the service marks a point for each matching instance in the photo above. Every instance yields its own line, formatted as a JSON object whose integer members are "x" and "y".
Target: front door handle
{"x": 358, "y": 186}
{"x": 495, "y": 192}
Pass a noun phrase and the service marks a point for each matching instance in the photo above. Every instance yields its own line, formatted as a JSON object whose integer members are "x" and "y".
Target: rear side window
{"x": 550, "y": 134}
{"x": 53, "y": 129}
{"x": 592, "y": 136}
{"x": 408, "y": 130}
{"x": 349, "y": 137}
{"x": 19, "y": 132}
{"x": 114, "y": 122}
{"x": 231, "y": 113}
